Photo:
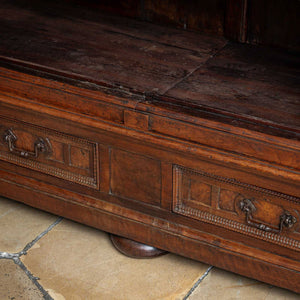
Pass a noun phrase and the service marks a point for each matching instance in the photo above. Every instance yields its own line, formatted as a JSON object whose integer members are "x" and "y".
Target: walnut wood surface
{"x": 156, "y": 134}
{"x": 238, "y": 81}
{"x": 28, "y": 185}
{"x": 134, "y": 249}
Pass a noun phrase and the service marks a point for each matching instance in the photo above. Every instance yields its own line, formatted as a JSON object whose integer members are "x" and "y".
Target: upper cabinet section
{"x": 266, "y": 22}
{"x": 151, "y": 68}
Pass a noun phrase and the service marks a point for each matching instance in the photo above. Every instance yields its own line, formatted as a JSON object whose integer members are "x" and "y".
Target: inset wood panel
{"x": 225, "y": 200}
{"x": 57, "y": 152}
{"x": 135, "y": 177}
{"x": 194, "y": 191}
{"x": 79, "y": 157}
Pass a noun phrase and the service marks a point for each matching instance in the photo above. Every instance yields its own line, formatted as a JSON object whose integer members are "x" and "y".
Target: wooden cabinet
{"x": 173, "y": 138}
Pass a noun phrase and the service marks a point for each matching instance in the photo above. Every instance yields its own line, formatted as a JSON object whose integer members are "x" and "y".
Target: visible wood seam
{"x": 195, "y": 70}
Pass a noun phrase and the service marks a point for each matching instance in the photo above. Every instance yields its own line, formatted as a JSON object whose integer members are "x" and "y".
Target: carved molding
{"x": 232, "y": 181}
{"x": 44, "y": 167}
{"x": 236, "y": 226}
{"x": 60, "y": 173}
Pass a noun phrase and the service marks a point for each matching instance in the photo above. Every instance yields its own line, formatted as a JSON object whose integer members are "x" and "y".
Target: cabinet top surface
{"x": 174, "y": 66}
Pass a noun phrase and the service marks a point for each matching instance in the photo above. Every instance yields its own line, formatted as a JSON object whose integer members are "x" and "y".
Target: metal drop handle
{"x": 40, "y": 146}
{"x": 285, "y": 220}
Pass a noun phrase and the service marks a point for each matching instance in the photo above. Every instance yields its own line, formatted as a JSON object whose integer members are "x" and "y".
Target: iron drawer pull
{"x": 285, "y": 220}
{"x": 40, "y": 146}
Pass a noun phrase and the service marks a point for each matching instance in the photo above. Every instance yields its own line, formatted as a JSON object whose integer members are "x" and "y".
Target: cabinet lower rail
{"x": 159, "y": 233}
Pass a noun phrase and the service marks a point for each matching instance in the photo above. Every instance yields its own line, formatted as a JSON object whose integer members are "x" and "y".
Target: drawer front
{"x": 49, "y": 152}
{"x": 237, "y": 206}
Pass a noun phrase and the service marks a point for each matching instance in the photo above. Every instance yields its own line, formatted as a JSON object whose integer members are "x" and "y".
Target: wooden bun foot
{"x": 134, "y": 249}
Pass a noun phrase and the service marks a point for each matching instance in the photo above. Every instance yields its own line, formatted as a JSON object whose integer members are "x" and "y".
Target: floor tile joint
{"x": 197, "y": 283}
{"x": 16, "y": 258}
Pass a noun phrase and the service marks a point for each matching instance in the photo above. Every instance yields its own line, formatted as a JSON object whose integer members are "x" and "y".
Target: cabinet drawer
{"x": 50, "y": 152}
{"x": 237, "y": 206}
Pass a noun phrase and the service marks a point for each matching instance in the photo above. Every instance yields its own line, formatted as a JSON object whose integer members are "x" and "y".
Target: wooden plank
{"x": 99, "y": 52}
{"x": 249, "y": 81}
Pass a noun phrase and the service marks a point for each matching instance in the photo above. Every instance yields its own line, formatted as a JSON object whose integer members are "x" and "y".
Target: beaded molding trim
{"x": 235, "y": 226}
{"x": 181, "y": 208}
{"x": 60, "y": 173}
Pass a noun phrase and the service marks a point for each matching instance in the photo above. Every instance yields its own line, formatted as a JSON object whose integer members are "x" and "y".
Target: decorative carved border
{"x": 179, "y": 207}
{"x": 232, "y": 181}
{"x": 60, "y": 173}
{"x": 54, "y": 171}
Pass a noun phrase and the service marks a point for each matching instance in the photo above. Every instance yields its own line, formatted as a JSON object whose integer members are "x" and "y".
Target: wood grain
{"x": 179, "y": 140}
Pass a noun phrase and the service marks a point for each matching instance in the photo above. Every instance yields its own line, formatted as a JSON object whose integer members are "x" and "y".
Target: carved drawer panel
{"x": 49, "y": 152}
{"x": 237, "y": 206}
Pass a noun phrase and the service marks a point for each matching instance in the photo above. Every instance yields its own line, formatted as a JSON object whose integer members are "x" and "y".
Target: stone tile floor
{"x": 43, "y": 256}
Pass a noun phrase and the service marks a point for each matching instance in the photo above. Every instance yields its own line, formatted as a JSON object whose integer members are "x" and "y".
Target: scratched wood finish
{"x": 246, "y": 79}
{"x": 145, "y": 63}
{"x": 178, "y": 140}
{"x": 139, "y": 62}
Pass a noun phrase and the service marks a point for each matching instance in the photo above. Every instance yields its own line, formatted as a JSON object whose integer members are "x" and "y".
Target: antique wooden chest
{"x": 174, "y": 138}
